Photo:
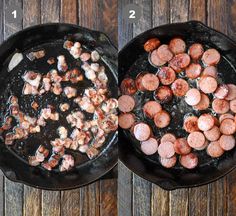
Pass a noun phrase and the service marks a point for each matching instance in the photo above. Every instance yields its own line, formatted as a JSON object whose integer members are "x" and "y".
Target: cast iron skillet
{"x": 132, "y": 60}
{"x": 13, "y": 159}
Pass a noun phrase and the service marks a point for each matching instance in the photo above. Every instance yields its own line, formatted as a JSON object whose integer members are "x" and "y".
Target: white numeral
{"x": 132, "y": 14}
{"x": 14, "y": 14}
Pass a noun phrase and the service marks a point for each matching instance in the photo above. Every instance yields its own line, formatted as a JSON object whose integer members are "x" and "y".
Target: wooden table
{"x": 138, "y": 196}
{"x": 98, "y": 198}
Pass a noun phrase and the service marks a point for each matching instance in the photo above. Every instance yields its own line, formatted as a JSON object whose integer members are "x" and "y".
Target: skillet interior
{"x": 132, "y": 60}
{"x": 13, "y": 160}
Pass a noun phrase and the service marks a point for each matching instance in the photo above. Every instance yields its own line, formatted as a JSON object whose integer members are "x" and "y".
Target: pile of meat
{"x": 87, "y": 136}
{"x": 178, "y": 66}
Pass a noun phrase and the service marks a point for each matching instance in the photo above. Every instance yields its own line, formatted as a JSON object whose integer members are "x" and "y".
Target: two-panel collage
{"x": 117, "y": 107}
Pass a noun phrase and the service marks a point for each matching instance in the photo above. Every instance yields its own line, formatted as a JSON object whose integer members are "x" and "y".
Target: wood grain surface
{"x": 96, "y": 199}
{"x": 215, "y": 199}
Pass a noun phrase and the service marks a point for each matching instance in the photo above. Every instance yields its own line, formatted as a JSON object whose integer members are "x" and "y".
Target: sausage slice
{"x": 195, "y": 51}
{"x": 166, "y": 75}
{"x": 163, "y": 94}
{"x": 164, "y": 53}
{"x": 126, "y": 120}
{"x": 193, "y": 97}
{"x": 162, "y": 119}
{"x": 191, "y": 124}
{"x": 142, "y": 131}
{"x": 213, "y": 134}
{"x": 214, "y": 149}
{"x": 232, "y": 92}
{"x": 177, "y": 45}
{"x": 149, "y": 146}
{"x": 126, "y": 103}
{"x": 228, "y": 127}
{"x": 179, "y": 62}
{"x": 196, "y": 139}
{"x": 168, "y": 162}
{"x": 166, "y": 150}
{"x": 222, "y": 91}
{"x": 207, "y": 84}
{"x": 210, "y": 71}
{"x": 189, "y": 161}
{"x": 204, "y": 102}
{"x": 151, "y": 44}
{"x": 150, "y": 82}
{"x": 220, "y": 106}
{"x": 138, "y": 81}
{"x": 181, "y": 146}
{"x": 168, "y": 137}
{"x": 128, "y": 87}
{"x": 227, "y": 142}
{"x": 151, "y": 108}
{"x": 205, "y": 122}
{"x": 211, "y": 57}
{"x": 155, "y": 60}
{"x": 193, "y": 71}
{"x": 232, "y": 105}
{"x": 226, "y": 116}
{"x": 180, "y": 87}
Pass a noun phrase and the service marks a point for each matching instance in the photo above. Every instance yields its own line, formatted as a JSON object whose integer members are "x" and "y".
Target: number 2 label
{"x": 132, "y": 14}
{"x": 14, "y": 14}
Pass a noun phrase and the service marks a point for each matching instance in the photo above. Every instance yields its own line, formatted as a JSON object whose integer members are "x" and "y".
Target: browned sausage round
{"x": 155, "y": 60}
{"x": 232, "y": 105}
{"x": 168, "y": 137}
{"x": 164, "y": 53}
{"x": 138, "y": 81}
{"x": 206, "y": 122}
{"x": 220, "y": 106}
{"x": 166, "y": 150}
{"x": 128, "y": 87}
{"x": 151, "y": 108}
{"x": 190, "y": 124}
{"x": 226, "y": 116}
{"x": 150, "y": 82}
{"x": 126, "y": 120}
{"x": 193, "y": 97}
{"x": 193, "y": 71}
{"x": 196, "y": 50}
{"x": 210, "y": 71}
{"x": 168, "y": 162}
{"x": 227, "y": 142}
{"x": 214, "y": 150}
{"x": 149, "y": 146}
{"x": 232, "y": 92}
{"x": 163, "y": 94}
{"x": 189, "y": 161}
{"x": 207, "y": 84}
{"x": 142, "y": 131}
{"x": 196, "y": 139}
{"x": 126, "y": 103}
{"x": 166, "y": 75}
{"x": 181, "y": 146}
{"x": 180, "y": 87}
{"x": 228, "y": 127}
{"x": 211, "y": 57}
{"x": 180, "y": 61}
{"x": 204, "y": 102}
{"x": 177, "y": 45}
{"x": 213, "y": 134}
{"x": 162, "y": 119}
{"x": 151, "y": 44}
{"x": 222, "y": 91}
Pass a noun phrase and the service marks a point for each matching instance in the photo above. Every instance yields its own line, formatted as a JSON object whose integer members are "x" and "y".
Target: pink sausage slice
{"x": 193, "y": 97}
{"x": 164, "y": 53}
{"x": 189, "y": 161}
{"x": 149, "y": 146}
{"x": 207, "y": 84}
{"x": 210, "y": 71}
{"x": 163, "y": 94}
{"x": 211, "y": 57}
{"x": 138, "y": 81}
{"x": 150, "y": 82}
{"x": 162, "y": 119}
{"x": 228, "y": 127}
{"x": 222, "y": 91}
{"x": 166, "y": 150}
{"x": 232, "y": 105}
{"x": 151, "y": 108}
{"x": 179, "y": 62}
{"x": 226, "y": 116}
{"x": 177, "y": 45}
{"x": 204, "y": 102}
{"x": 196, "y": 139}
{"x": 193, "y": 71}
{"x": 232, "y": 92}
{"x": 205, "y": 122}
{"x": 181, "y": 146}
{"x": 155, "y": 60}
{"x": 126, "y": 103}
{"x": 126, "y": 120}
{"x": 166, "y": 75}
{"x": 227, "y": 142}
{"x": 168, "y": 137}
{"x": 220, "y": 106}
{"x": 168, "y": 162}
{"x": 213, "y": 134}
{"x": 214, "y": 150}
{"x": 191, "y": 124}
{"x": 180, "y": 87}
{"x": 196, "y": 50}
{"x": 142, "y": 131}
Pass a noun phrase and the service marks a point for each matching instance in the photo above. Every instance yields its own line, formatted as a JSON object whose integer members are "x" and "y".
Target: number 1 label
{"x": 14, "y": 14}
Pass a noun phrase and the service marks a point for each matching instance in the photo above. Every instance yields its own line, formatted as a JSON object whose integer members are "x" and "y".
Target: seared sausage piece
{"x": 205, "y": 122}
{"x": 166, "y": 75}
{"x": 155, "y": 60}
{"x": 168, "y": 162}
{"x": 151, "y": 108}
{"x": 220, "y": 106}
{"x": 221, "y": 91}
{"x": 213, "y": 134}
{"x": 189, "y": 161}
{"x": 177, "y": 45}
{"x": 164, "y": 53}
{"x": 196, "y": 139}
{"x": 126, "y": 120}
{"x": 232, "y": 92}
{"x": 181, "y": 146}
{"x": 227, "y": 142}
{"x": 128, "y": 87}
{"x": 138, "y": 81}
{"x": 149, "y": 146}
{"x": 168, "y": 137}
{"x": 126, "y": 103}
{"x": 162, "y": 119}
{"x": 193, "y": 71}
{"x": 179, "y": 62}
{"x": 207, "y": 84}
{"x": 226, "y": 116}
{"x": 163, "y": 94}
{"x": 228, "y": 127}
{"x": 214, "y": 149}
{"x": 211, "y": 57}
{"x": 195, "y": 51}
{"x": 232, "y": 105}
{"x": 204, "y": 102}
{"x": 210, "y": 71}
{"x": 151, "y": 44}
{"x": 180, "y": 87}
{"x": 166, "y": 150}
{"x": 191, "y": 124}
{"x": 142, "y": 131}
{"x": 193, "y": 97}
{"x": 150, "y": 82}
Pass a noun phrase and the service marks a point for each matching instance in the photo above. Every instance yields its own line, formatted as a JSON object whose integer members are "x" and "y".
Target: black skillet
{"x": 132, "y": 60}
{"x": 13, "y": 159}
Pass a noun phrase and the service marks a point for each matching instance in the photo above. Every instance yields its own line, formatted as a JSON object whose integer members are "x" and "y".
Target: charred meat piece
{"x": 36, "y": 55}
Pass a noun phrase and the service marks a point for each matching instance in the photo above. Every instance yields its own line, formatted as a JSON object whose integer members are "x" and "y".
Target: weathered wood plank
{"x": 197, "y": 10}
{"x": 159, "y": 201}
{"x": 50, "y": 203}
{"x": 160, "y": 12}
{"x": 179, "y": 202}
{"x": 108, "y": 197}
{"x": 50, "y": 11}
{"x": 231, "y": 15}
{"x": 1, "y": 21}
{"x": 69, "y": 11}
{"x": 31, "y": 11}
{"x": 179, "y": 10}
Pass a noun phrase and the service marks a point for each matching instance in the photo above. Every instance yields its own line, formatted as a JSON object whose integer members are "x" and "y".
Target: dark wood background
{"x": 138, "y": 196}
{"x": 99, "y": 198}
